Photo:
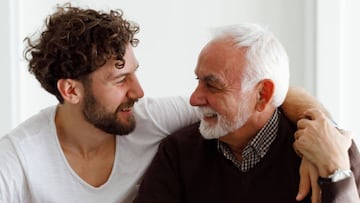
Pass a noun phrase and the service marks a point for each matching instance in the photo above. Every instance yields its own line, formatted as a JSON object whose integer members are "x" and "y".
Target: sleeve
{"x": 161, "y": 183}
{"x": 339, "y": 192}
{"x": 13, "y": 187}
{"x": 346, "y": 190}
{"x": 170, "y": 113}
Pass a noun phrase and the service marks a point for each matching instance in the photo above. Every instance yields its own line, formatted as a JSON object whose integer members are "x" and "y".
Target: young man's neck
{"x": 76, "y": 134}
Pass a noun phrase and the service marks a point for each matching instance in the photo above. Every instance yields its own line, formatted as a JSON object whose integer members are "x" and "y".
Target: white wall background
{"x": 6, "y": 67}
{"x": 337, "y": 60}
{"x": 172, "y": 32}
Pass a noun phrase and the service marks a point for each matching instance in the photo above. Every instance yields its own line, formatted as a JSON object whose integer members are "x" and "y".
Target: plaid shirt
{"x": 257, "y": 147}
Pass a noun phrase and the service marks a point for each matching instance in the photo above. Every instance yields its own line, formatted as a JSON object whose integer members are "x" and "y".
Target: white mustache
{"x": 207, "y": 112}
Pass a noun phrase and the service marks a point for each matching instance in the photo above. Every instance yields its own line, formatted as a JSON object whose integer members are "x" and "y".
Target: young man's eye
{"x": 119, "y": 65}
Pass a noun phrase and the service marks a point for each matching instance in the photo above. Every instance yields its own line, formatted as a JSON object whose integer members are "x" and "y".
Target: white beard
{"x": 223, "y": 126}
{"x": 211, "y": 132}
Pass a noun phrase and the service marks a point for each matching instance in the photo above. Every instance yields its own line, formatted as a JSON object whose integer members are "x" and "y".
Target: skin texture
{"x": 89, "y": 149}
{"x": 234, "y": 116}
{"x": 324, "y": 149}
{"x": 94, "y": 109}
{"x": 322, "y": 144}
{"x": 219, "y": 89}
{"x": 308, "y": 172}
{"x": 108, "y": 84}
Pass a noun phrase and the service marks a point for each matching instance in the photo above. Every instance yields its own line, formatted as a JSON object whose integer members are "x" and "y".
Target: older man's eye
{"x": 211, "y": 87}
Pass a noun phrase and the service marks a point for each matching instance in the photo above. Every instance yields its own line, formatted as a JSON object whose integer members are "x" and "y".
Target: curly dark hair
{"x": 75, "y": 43}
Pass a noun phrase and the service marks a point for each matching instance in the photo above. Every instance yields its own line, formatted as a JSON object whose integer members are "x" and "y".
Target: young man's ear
{"x": 265, "y": 94}
{"x": 70, "y": 90}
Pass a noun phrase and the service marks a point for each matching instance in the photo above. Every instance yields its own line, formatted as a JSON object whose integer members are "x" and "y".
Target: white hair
{"x": 265, "y": 56}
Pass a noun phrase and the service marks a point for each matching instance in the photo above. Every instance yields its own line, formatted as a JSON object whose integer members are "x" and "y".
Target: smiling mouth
{"x": 210, "y": 115}
{"x": 128, "y": 106}
{"x": 207, "y": 113}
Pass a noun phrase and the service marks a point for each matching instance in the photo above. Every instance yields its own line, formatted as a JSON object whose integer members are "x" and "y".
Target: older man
{"x": 242, "y": 149}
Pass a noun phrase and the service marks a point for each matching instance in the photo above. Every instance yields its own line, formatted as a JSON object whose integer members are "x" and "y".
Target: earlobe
{"x": 69, "y": 90}
{"x": 265, "y": 94}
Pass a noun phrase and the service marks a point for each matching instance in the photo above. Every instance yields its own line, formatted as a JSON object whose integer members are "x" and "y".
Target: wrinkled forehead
{"x": 221, "y": 56}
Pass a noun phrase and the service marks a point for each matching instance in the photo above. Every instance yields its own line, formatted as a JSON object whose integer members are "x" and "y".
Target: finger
{"x": 312, "y": 114}
{"x": 302, "y": 123}
{"x": 299, "y": 144}
{"x": 297, "y": 151}
{"x": 297, "y": 134}
{"x": 315, "y": 188}
{"x": 304, "y": 185}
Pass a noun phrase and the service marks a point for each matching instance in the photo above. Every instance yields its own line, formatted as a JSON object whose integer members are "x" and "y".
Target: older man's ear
{"x": 265, "y": 94}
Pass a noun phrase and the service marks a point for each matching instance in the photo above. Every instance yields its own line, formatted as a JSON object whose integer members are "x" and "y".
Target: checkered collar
{"x": 257, "y": 147}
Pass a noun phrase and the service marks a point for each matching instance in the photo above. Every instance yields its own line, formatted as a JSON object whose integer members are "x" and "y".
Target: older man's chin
{"x": 210, "y": 131}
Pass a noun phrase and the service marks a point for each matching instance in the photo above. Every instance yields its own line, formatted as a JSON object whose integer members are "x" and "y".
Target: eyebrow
{"x": 210, "y": 78}
{"x": 213, "y": 80}
{"x": 115, "y": 76}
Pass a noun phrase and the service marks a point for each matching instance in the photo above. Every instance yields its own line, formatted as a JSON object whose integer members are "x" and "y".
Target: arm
{"x": 328, "y": 151}
{"x": 297, "y": 101}
{"x": 167, "y": 113}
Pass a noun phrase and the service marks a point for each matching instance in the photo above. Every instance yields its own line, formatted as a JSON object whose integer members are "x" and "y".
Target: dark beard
{"x": 95, "y": 114}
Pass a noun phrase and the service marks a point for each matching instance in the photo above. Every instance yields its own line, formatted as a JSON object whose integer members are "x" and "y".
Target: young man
{"x": 71, "y": 152}
{"x": 242, "y": 149}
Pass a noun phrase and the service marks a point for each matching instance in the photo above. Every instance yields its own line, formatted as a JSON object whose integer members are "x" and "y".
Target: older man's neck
{"x": 240, "y": 138}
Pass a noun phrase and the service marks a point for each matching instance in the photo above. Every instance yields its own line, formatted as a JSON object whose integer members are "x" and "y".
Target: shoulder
{"x": 17, "y": 153}
{"x": 28, "y": 129}
{"x": 31, "y": 133}
{"x": 35, "y": 124}
{"x": 7, "y": 151}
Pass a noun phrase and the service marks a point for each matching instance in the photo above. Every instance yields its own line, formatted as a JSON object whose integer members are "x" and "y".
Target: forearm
{"x": 297, "y": 101}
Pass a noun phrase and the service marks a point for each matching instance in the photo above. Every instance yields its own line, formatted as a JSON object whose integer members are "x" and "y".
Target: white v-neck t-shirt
{"x": 33, "y": 167}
